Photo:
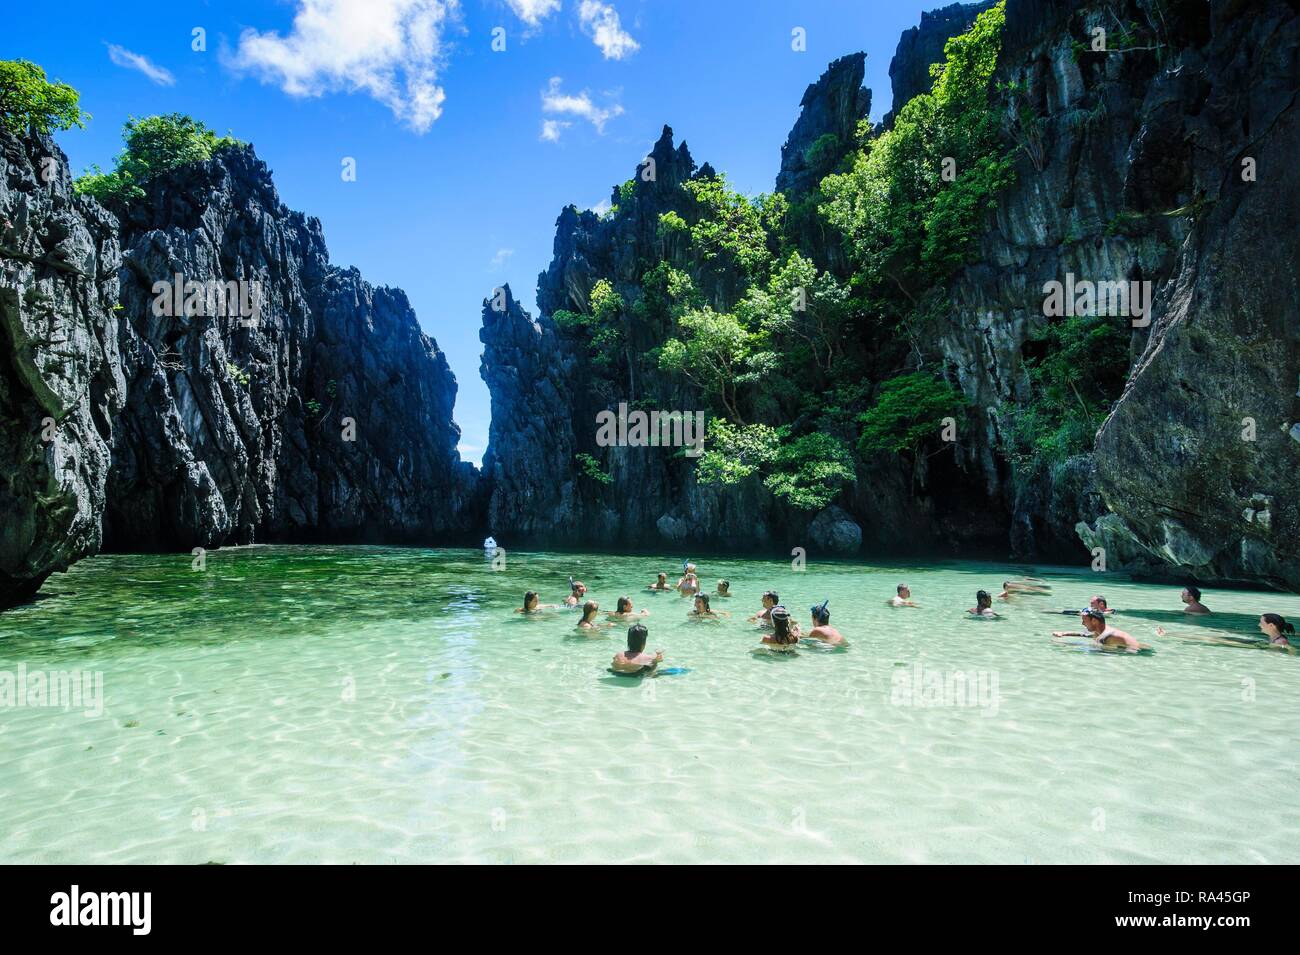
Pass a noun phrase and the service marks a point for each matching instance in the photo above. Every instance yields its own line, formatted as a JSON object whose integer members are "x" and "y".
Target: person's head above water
{"x": 1193, "y": 592}
{"x": 1093, "y": 620}
{"x": 530, "y": 599}
{"x": 821, "y": 616}
{"x": 781, "y": 625}
{"x": 577, "y": 587}
{"x": 724, "y": 586}
{"x": 663, "y": 578}
{"x": 701, "y": 603}
{"x": 589, "y": 609}
{"x": 636, "y": 637}
{"x": 770, "y": 599}
{"x": 1098, "y": 603}
{"x": 1275, "y": 626}
{"x": 982, "y": 599}
{"x": 624, "y": 604}
{"x": 904, "y": 590}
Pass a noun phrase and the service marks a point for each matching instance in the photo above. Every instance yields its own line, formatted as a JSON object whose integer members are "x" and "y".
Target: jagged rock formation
{"x": 324, "y": 415}
{"x": 60, "y": 381}
{"x": 921, "y": 46}
{"x": 826, "y": 129}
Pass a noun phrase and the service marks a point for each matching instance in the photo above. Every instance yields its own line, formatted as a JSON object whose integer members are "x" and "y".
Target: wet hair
{"x": 900, "y": 588}
{"x": 662, "y": 577}
{"x": 724, "y": 585}
{"x": 529, "y": 596}
{"x": 781, "y": 626}
{"x": 1095, "y": 615}
{"x": 821, "y": 614}
{"x": 1006, "y": 584}
{"x": 589, "y": 608}
{"x": 1278, "y": 621}
{"x": 624, "y": 604}
{"x": 1101, "y": 600}
{"x": 704, "y": 599}
{"x": 573, "y": 587}
{"x": 1193, "y": 592}
{"x": 771, "y": 594}
{"x": 982, "y": 597}
{"x": 636, "y": 637}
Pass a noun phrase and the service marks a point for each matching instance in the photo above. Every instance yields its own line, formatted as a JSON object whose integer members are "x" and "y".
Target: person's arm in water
{"x": 1070, "y": 633}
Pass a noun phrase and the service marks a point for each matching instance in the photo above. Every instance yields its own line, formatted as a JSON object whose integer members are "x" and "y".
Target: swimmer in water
{"x": 1096, "y": 603}
{"x": 1095, "y": 626}
{"x": 724, "y": 588}
{"x": 1191, "y": 596}
{"x": 689, "y": 585}
{"x": 588, "y": 621}
{"x": 1275, "y": 627}
{"x": 1026, "y": 585}
{"x": 822, "y": 629}
{"x": 983, "y": 606}
{"x": 702, "y": 611}
{"x": 764, "y": 617}
{"x": 634, "y": 660}
{"x": 903, "y": 598}
{"x": 660, "y": 584}
{"x": 577, "y": 590}
{"x": 532, "y": 606}
{"x": 625, "y": 611}
{"x": 785, "y": 632}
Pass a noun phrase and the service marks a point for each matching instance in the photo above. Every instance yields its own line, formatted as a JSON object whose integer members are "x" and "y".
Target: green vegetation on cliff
{"x": 153, "y": 145}
{"x": 28, "y": 101}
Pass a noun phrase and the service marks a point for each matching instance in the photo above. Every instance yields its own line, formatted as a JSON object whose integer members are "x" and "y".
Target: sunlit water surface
{"x": 355, "y": 704}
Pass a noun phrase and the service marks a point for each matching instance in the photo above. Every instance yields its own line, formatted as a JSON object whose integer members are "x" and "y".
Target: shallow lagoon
{"x": 368, "y": 704}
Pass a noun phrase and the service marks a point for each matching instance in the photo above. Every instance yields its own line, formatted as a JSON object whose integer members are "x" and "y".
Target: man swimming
{"x": 724, "y": 589}
{"x": 660, "y": 584}
{"x": 1096, "y": 603}
{"x": 983, "y": 606}
{"x": 634, "y": 660}
{"x": 903, "y": 598}
{"x": 625, "y": 610}
{"x": 577, "y": 590}
{"x": 1191, "y": 596}
{"x": 1095, "y": 626}
{"x": 822, "y": 629}
{"x": 532, "y": 606}
{"x": 764, "y": 616}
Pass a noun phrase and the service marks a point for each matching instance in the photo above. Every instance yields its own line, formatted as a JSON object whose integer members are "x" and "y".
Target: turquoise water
{"x": 373, "y": 705}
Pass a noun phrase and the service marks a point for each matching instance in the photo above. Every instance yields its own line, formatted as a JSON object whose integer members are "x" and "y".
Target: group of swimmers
{"x": 786, "y": 633}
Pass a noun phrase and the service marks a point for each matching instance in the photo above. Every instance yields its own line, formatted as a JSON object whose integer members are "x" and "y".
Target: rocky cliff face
{"x": 922, "y": 45}
{"x": 826, "y": 129}
{"x": 60, "y": 378}
{"x": 284, "y": 399}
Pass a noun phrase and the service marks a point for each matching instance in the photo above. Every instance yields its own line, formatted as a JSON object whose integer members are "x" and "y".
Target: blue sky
{"x": 464, "y": 155}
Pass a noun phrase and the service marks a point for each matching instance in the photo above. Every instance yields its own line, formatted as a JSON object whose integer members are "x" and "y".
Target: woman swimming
{"x": 625, "y": 610}
{"x": 588, "y": 621}
{"x": 822, "y": 630}
{"x": 689, "y": 585}
{"x": 702, "y": 610}
{"x": 764, "y": 617}
{"x": 634, "y": 661}
{"x": 785, "y": 632}
{"x": 983, "y": 606}
{"x": 1275, "y": 627}
{"x": 660, "y": 584}
{"x": 724, "y": 588}
{"x": 532, "y": 606}
{"x": 577, "y": 590}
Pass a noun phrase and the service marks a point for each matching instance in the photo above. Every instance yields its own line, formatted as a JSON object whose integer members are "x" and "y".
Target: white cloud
{"x": 581, "y": 105}
{"x": 533, "y": 12}
{"x": 391, "y": 50}
{"x": 600, "y": 22}
{"x": 501, "y": 258}
{"x": 552, "y": 129}
{"x": 134, "y": 61}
